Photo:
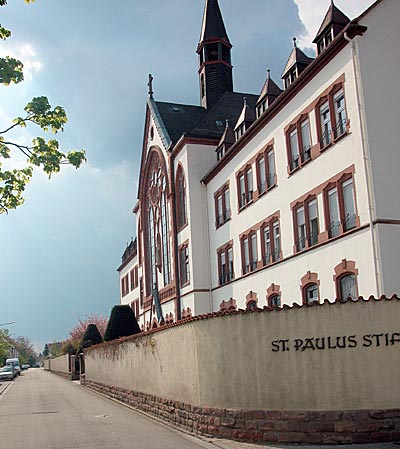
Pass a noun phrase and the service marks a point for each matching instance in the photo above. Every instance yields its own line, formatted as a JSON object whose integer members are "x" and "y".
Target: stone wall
{"x": 315, "y": 374}
{"x": 58, "y": 365}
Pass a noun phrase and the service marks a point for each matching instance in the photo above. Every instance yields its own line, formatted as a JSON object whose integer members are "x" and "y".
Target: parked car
{"x": 24, "y": 366}
{"x": 15, "y": 363}
{"x": 7, "y": 373}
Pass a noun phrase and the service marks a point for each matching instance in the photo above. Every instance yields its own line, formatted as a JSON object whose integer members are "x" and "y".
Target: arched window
{"x": 345, "y": 279}
{"x": 155, "y": 204}
{"x": 181, "y": 198}
{"x": 252, "y": 305}
{"x": 274, "y": 301}
{"x": 348, "y": 286}
{"x": 274, "y": 296}
{"x": 311, "y": 293}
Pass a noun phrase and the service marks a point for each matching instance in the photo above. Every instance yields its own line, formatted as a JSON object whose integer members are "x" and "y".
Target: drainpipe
{"x": 204, "y": 191}
{"x": 367, "y": 165}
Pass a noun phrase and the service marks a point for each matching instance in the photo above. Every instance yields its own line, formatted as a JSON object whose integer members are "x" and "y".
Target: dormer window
{"x": 269, "y": 93}
{"x": 333, "y": 23}
{"x": 246, "y": 119}
{"x": 326, "y": 39}
{"x": 297, "y": 62}
{"x": 240, "y": 131}
{"x": 261, "y": 108}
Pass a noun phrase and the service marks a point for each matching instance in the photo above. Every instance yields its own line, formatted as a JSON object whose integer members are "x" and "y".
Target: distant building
{"x": 290, "y": 195}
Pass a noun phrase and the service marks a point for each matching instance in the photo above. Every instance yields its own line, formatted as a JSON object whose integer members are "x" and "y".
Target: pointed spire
{"x": 270, "y": 89}
{"x": 247, "y": 116}
{"x": 213, "y": 25}
{"x": 334, "y": 17}
{"x": 214, "y": 50}
{"x": 297, "y": 58}
{"x": 228, "y": 138}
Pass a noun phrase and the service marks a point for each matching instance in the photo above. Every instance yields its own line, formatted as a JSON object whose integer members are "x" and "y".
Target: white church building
{"x": 288, "y": 196}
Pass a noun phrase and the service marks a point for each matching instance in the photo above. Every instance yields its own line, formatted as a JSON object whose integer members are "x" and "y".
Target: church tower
{"x": 214, "y": 50}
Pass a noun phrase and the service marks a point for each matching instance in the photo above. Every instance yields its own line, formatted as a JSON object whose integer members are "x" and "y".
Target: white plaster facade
{"x": 360, "y": 62}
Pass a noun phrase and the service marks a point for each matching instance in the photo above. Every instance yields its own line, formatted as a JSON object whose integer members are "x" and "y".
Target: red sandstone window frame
{"x": 344, "y": 224}
{"x": 252, "y": 249}
{"x": 184, "y": 264}
{"x": 275, "y": 253}
{"x": 245, "y": 194}
{"x": 134, "y": 277}
{"x": 311, "y": 238}
{"x": 345, "y": 268}
{"x": 181, "y": 203}
{"x": 226, "y": 213}
{"x": 270, "y": 175}
{"x": 125, "y": 285}
{"x": 304, "y": 152}
{"x": 273, "y": 292}
{"x": 223, "y": 253}
{"x": 308, "y": 280}
{"x": 135, "y": 308}
{"x": 326, "y": 142}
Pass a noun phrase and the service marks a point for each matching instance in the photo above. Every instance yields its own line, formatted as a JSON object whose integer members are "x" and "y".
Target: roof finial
{"x": 268, "y": 73}
{"x": 227, "y": 123}
{"x": 150, "y": 85}
{"x": 294, "y": 42}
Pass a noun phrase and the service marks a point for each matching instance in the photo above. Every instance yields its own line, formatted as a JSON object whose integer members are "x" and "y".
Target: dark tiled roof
{"x": 213, "y": 24}
{"x": 334, "y": 15}
{"x": 296, "y": 57}
{"x": 270, "y": 88}
{"x": 179, "y": 118}
{"x": 129, "y": 254}
{"x": 228, "y": 107}
{"x": 325, "y": 303}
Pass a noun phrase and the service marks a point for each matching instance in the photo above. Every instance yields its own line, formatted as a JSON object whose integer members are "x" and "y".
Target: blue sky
{"x": 60, "y": 250}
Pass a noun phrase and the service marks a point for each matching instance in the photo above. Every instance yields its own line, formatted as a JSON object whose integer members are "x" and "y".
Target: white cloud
{"x": 312, "y": 16}
{"x": 25, "y": 53}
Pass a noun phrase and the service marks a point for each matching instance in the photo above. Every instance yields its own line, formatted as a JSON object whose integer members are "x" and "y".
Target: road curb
{"x": 3, "y": 390}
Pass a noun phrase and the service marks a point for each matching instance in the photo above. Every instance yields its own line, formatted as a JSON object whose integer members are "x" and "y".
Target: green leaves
{"x": 40, "y": 112}
{"x": 47, "y": 155}
{"x": 43, "y": 153}
{"x": 4, "y": 33}
{"x": 12, "y": 185}
{"x": 10, "y": 71}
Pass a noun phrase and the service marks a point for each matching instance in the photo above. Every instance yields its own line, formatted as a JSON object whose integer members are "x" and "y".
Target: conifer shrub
{"x": 122, "y": 323}
{"x": 91, "y": 337}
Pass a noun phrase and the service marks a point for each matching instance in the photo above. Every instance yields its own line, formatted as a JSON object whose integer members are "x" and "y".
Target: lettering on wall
{"x": 342, "y": 342}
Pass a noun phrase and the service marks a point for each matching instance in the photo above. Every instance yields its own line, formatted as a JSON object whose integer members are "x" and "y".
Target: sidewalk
{"x": 227, "y": 444}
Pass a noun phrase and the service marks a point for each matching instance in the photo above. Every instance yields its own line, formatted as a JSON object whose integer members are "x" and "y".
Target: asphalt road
{"x": 40, "y": 410}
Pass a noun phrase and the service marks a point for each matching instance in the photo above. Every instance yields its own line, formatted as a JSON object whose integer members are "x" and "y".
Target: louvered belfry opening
{"x": 214, "y": 50}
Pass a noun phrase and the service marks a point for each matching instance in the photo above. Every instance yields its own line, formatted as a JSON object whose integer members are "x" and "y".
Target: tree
{"x": 122, "y": 323}
{"x": 5, "y": 345}
{"x": 55, "y": 348}
{"x": 25, "y": 351}
{"x": 78, "y": 331}
{"x": 46, "y": 350}
{"x": 91, "y": 337}
{"x": 43, "y": 153}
